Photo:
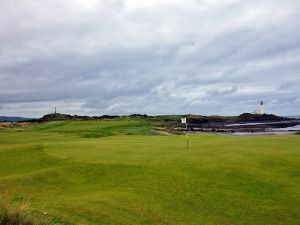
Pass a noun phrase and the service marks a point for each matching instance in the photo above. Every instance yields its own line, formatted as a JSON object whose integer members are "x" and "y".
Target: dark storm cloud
{"x": 154, "y": 57}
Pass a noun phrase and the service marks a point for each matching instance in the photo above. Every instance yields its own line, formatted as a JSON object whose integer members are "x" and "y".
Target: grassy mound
{"x": 248, "y": 117}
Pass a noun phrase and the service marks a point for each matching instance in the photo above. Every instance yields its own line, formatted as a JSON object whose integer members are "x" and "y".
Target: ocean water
{"x": 249, "y": 124}
{"x": 294, "y": 128}
{"x": 295, "y": 117}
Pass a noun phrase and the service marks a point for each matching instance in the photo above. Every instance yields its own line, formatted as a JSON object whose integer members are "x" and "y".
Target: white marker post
{"x": 183, "y": 120}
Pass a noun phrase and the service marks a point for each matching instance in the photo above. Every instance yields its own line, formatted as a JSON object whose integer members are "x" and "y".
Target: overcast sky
{"x": 94, "y": 57}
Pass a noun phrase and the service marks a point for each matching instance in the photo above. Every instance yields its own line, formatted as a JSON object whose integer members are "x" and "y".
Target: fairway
{"x": 122, "y": 171}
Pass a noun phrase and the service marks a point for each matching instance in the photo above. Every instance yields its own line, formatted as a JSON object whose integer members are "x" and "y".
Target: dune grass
{"x": 18, "y": 214}
{"x": 128, "y": 174}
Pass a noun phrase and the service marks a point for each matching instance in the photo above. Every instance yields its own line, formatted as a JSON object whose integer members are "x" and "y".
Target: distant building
{"x": 260, "y": 110}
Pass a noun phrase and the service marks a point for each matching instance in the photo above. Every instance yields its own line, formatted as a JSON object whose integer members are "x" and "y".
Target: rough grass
{"x": 150, "y": 179}
{"x": 19, "y": 214}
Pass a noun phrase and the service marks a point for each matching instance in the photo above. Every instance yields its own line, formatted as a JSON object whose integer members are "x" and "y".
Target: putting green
{"x": 92, "y": 173}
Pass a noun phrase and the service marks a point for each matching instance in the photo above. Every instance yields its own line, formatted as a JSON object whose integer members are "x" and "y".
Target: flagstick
{"x": 187, "y": 136}
{"x": 183, "y": 120}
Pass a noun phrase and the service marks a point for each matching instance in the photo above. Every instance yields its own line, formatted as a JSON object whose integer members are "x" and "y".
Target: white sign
{"x": 183, "y": 120}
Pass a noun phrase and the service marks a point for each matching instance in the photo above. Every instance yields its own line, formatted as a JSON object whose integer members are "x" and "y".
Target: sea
{"x": 293, "y": 117}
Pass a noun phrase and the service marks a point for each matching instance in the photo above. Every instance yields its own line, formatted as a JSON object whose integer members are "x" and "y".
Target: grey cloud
{"x": 222, "y": 92}
{"x": 128, "y": 56}
{"x": 286, "y": 86}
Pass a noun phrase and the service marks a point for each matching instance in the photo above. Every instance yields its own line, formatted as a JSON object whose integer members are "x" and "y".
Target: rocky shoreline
{"x": 253, "y": 127}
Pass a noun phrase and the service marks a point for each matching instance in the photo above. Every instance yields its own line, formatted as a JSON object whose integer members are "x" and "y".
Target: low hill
{"x": 62, "y": 117}
{"x": 170, "y": 119}
{"x": 248, "y": 117}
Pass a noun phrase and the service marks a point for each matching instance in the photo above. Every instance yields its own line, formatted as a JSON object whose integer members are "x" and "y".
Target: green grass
{"x": 68, "y": 171}
{"x": 101, "y": 128}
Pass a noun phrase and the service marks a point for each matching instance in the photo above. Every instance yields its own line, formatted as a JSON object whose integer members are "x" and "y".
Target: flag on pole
{"x": 183, "y": 120}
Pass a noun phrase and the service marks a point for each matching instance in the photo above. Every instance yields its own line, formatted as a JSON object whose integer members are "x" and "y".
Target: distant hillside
{"x": 171, "y": 119}
{"x": 13, "y": 119}
{"x": 248, "y": 117}
{"x": 165, "y": 119}
{"x": 61, "y": 117}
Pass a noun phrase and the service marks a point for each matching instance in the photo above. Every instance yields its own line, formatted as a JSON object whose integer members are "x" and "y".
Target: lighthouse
{"x": 261, "y": 108}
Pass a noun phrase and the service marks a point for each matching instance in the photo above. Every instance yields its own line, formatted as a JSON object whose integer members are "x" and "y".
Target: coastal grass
{"x": 18, "y": 214}
{"x": 122, "y": 171}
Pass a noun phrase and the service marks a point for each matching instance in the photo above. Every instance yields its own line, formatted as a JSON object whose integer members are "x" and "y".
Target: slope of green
{"x": 100, "y": 128}
{"x": 150, "y": 179}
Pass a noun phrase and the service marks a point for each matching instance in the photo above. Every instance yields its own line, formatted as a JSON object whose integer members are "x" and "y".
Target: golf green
{"x": 124, "y": 172}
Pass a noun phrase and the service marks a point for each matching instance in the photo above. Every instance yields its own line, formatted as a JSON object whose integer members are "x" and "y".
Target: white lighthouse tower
{"x": 261, "y": 108}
